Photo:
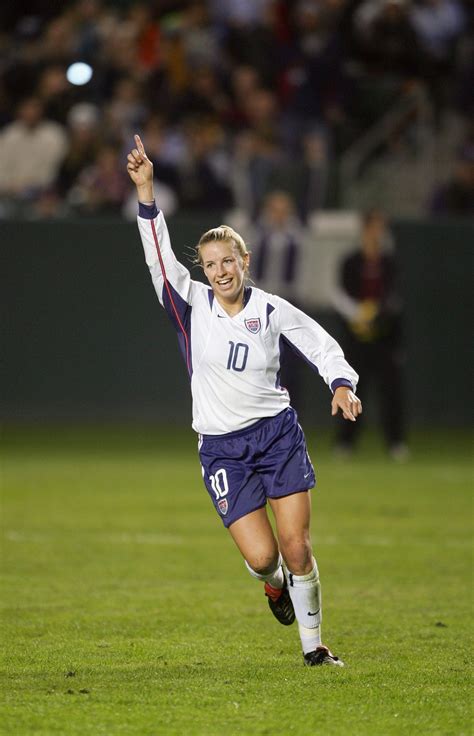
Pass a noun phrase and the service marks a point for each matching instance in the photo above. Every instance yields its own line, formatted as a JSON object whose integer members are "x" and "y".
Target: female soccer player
{"x": 251, "y": 446}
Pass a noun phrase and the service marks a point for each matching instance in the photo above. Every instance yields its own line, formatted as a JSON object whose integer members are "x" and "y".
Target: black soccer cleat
{"x": 320, "y": 656}
{"x": 280, "y": 604}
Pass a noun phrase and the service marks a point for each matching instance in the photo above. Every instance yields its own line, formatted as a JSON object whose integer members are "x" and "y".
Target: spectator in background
{"x": 260, "y": 167}
{"x": 200, "y": 43}
{"x": 202, "y": 96}
{"x": 257, "y": 151}
{"x": 147, "y": 38}
{"x": 126, "y": 110}
{"x": 277, "y": 259}
{"x": 244, "y": 81}
{"x": 260, "y": 45}
{"x": 314, "y": 83}
{"x": 121, "y": 52}
{"x": 101, "y": 188}
{"x": 255, "y": 161}
{"x": 277, "y": 251}
{"x": 31, "y": 151}
{"x": 262, "y": 112}
{"x": 204, "y": 169}
{"x": 387, "y": 40}
{"x": 370, "y": 305}
{"x": 91, "y": 19}
{"x": 84, "y": 144}
{"x": 56, "y": 94}
{"x": 305, "y": 174}
{"x": 59, "y": 39}
{"x": 314, "y": 175}
{"x": 439, "y": 24}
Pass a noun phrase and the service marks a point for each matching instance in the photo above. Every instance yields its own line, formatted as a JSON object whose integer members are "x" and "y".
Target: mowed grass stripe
{"x": 127, "y": 610}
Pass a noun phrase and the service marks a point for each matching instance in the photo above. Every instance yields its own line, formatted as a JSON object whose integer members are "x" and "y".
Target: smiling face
{"x": 225, "y": 270}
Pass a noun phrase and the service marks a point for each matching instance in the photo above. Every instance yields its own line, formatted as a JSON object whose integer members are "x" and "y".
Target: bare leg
{"x": 254, "y": 537}
{"x": 293, "y": 516}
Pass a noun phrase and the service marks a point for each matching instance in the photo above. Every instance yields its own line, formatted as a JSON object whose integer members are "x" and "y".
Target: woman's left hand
{"x": 346, "y": 400}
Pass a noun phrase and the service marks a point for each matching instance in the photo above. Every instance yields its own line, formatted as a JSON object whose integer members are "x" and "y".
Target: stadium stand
{"x": 333, "y": 100}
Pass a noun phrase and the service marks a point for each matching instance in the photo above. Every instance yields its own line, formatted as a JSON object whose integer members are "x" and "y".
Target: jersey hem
{"x": 240, "y": 432}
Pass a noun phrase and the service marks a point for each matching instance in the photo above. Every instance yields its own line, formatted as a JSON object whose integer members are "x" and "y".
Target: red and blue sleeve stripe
{"x": 176, "y": 307}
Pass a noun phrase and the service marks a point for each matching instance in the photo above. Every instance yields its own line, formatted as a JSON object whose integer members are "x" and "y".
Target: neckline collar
{"x": 220, "y": 309}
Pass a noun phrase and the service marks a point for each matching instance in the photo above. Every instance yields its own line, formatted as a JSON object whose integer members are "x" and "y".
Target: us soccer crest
{"x": 253, "y": 325}
{"x": 223, "y": 506}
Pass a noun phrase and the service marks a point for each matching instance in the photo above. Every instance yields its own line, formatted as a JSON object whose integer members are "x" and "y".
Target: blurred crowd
{"x": 233, "y": 98}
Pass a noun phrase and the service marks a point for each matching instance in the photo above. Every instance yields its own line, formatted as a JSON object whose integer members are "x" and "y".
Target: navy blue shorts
{"x": 267, "y": 460}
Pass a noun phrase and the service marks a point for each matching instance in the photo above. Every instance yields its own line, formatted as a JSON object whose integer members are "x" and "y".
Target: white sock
{"x": 310, "y": 638}
{"x": 276, "y": 578}
{"x": 305, "y": 594}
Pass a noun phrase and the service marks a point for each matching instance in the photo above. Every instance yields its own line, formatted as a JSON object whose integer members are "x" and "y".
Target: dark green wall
{"x": 436, "y": 260}
{"x": 84, "y": 336}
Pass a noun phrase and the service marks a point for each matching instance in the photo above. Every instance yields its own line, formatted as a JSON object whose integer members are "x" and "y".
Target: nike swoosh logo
{"x": 221, "y": 316}
{"x": 306, "y": 475}
{"x": 315, "y": 613}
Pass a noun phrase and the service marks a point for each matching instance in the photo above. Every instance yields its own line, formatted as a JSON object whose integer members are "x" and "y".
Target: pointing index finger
{"x": 140, "y": 146}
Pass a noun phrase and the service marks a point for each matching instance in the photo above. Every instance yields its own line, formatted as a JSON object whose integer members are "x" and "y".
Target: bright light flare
{"x": 79, "y": 73}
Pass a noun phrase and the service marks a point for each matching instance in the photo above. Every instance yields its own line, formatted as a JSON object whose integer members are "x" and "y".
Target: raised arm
{"x": 172, "y": 280}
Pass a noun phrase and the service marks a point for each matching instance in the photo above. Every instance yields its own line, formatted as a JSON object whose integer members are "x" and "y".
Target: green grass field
{"x": 127, "y": 610}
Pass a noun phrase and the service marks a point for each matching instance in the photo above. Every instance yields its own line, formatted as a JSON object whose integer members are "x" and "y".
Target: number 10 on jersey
{"x": 238, "y": 354}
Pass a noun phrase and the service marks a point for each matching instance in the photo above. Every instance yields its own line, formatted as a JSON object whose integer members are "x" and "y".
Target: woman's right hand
{"x": 140, "y": 170}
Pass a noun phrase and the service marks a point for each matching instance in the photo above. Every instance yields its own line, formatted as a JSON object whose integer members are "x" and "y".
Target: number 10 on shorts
{"x": 219, "y": 483}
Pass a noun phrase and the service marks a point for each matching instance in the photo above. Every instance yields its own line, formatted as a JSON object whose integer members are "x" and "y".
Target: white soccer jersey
{"x": 234, "y": 362}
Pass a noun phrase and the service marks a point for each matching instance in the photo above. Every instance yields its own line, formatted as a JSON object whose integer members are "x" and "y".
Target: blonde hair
{"x": 222, "y": 233}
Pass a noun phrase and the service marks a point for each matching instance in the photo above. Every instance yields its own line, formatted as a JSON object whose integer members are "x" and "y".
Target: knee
{"x": 298, "y": 554}
{"x": 263, "y": 563}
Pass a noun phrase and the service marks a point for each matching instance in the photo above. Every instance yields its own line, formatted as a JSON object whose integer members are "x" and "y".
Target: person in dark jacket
{"x": 370, "y": 305}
